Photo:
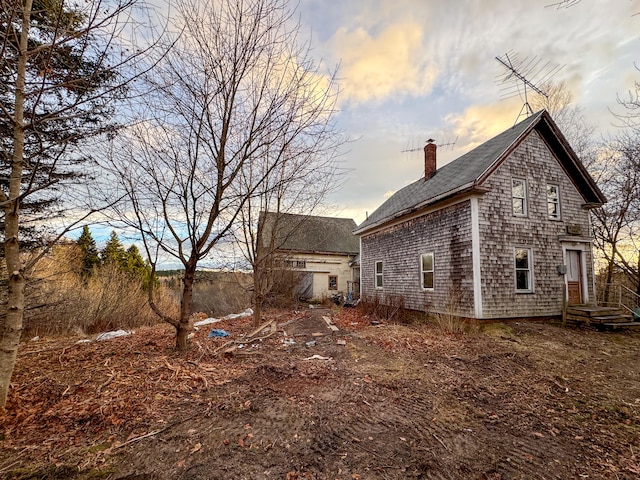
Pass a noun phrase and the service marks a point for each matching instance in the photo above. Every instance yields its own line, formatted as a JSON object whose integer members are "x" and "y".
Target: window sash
{"x": 378, "y": 275}
{"x": 519, "y": 196}
{"x": 553, "y": 201}
{"x": 427, "y": 270}
{"x": 522, "y": 264}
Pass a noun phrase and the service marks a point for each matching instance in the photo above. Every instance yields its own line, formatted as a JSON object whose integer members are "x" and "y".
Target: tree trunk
{"x": 182, "y": 329}
{"x": 257, "y": 311}
{"x": 12, "y": 325}
{"x": 608, "y": 280}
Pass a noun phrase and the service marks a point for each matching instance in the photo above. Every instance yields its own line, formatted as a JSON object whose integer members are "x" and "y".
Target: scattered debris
{"x": 233, "y": 316}
{"x": 341, "y": 342}
{"x": 218, "y": 333}
{"x": 310, "y": 343}
{"x": 114, "y": 334}
{"x": 318, "y": 357}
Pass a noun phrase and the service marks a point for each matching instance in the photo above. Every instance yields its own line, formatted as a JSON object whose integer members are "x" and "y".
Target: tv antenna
{"x": 431, "y": 140}
{"x": 563, "y": 4}
{"x": 525, "y": 74}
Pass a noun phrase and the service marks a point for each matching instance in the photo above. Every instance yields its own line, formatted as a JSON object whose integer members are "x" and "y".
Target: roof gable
{"x": 305, "y": 233}
{"x": 471, "y": 169}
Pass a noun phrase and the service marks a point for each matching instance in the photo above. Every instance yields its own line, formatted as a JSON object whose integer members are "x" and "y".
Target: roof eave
{"x": 463, "y": 190}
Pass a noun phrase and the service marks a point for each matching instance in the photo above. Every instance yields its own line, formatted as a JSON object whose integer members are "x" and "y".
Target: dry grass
{"x": 449, "y": 320}
{"x": 214, "y": 293}
{"x": 60, "y": 301}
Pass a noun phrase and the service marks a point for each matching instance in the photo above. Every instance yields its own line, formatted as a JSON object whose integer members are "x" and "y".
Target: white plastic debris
{"x": 84, "y": 340}
{"x": 114, "y": 334}
{"x": 207, "y": 321}
{"x": 318, "y": 357}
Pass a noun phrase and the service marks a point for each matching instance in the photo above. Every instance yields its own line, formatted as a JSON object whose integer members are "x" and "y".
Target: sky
{"x": 411, "y": 70}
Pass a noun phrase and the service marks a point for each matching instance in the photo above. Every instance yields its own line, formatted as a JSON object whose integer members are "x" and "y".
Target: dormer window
{"x": 519, "y": 197}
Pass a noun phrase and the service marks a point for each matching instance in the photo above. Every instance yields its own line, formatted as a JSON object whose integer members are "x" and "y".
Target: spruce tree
{"x": 113, "y": 252}
{"x": 135, "y": 264}
{"x": 89, "y": 250}
{"x": 64, "y": 66}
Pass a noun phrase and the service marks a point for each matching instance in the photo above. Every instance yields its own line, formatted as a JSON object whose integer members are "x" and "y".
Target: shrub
{"x": 391, "y": 308}
{"x": 60, "y": 300}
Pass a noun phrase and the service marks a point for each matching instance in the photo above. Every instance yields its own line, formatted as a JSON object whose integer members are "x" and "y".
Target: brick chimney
{"x": 429, "y": 159}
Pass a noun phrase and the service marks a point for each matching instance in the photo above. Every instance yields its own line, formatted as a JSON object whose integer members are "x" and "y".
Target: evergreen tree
{"x": 134, "y": 263}
{"x": 63, "y": 68}
{"x": 113, "y": 252}
{"x": 89, "y": 250}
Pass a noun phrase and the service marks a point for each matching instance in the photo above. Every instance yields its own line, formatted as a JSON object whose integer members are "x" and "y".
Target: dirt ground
{"x": 520, "y": 401}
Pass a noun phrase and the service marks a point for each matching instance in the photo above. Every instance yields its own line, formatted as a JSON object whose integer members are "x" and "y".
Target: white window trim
{"x": 433, "y": 271}
{"x": 559, "y": 209}
{"x": 525, "y": 199}
{"x": 376, "y": 275}
{"x": 530, "y": 270}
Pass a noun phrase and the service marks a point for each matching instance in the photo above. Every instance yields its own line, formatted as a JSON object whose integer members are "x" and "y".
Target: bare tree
{"x": 299, "y": 185}
{"x": 630, "y": 118}
{"x": 236, "y": 100}
{"x": 569, "y": 117}
{"x": 62, "y": 70}
{"x": 617, "y": 224}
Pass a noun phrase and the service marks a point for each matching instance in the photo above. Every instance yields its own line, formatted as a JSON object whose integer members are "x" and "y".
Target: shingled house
{"x": 321, "y": 249}
{"x": 501, "y": 232}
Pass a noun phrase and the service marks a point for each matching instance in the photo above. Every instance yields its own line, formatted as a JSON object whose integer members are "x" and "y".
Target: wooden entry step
{"x": 617, "y": 325}
{"x": 607, "y": 317}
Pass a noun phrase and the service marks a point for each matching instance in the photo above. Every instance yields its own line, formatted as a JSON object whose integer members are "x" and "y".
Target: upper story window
{"x": 427, "y": 270}
{"x": 553, "y": 202}
{"x": 295, "y": 263}
{"x": 523, "y": 268}
{"x": 519, "y": 196}
{"x": 378, "y": 274}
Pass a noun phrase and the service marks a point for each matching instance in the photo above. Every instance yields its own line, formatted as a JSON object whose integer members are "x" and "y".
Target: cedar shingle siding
{"x": 446, "y": 233}
{"x": 466, "y": 207}
{"x": 501, "y": 232}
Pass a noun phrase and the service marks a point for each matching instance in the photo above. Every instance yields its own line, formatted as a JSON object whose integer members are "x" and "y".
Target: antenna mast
{"x": 522, "y": 72}
{"x": 431, "y": 140}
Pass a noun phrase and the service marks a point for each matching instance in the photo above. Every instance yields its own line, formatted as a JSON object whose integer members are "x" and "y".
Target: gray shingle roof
{"x": 467, "y": 170}
{"x": 304, "y": 233}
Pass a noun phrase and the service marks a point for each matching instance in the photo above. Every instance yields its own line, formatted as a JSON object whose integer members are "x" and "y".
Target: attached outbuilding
{"x": 322, "y": 251}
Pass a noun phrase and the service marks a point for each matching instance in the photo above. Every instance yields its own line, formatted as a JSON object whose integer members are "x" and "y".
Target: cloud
{"x": 478, "y": 123}
{"x": 378, "y": 66}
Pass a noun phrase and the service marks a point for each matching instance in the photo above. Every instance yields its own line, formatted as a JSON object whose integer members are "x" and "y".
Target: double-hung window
{"x": 519, "y": 196}
{"x": 523, "y": 269}
{"x": 378, "y": 274}
{"x": 553, "y": 202}
{"x": 427, "y": 270}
